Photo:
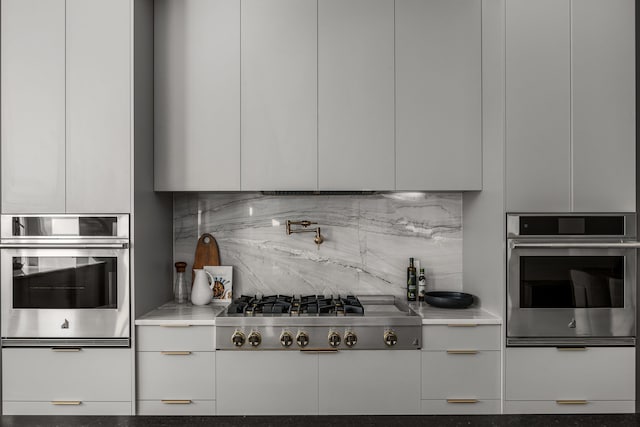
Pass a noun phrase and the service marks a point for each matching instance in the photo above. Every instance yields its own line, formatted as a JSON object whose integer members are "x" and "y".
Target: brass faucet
{"x": 318, "y": 239}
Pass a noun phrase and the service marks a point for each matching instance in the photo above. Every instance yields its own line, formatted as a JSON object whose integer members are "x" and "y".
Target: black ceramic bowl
{"x": 445, "y": 299}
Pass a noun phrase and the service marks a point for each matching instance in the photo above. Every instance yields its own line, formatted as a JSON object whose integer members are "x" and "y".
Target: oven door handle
{"x": 64, "y": 245}
{"x": 575, "y": 245}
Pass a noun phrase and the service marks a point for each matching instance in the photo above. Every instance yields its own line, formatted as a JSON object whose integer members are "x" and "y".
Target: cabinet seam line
{"x": 571, "y": 166}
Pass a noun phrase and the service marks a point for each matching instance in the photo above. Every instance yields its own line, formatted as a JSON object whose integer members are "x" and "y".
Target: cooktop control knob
{"x": 238, "y": 338}
{"x": 334, "y": 339}
{"x": 390, "y": 338}
{"x": 255, "y": 339}
{"x": 286, "y": 339}
{"x": 350, "y": 339}
{"x": 302, "y": 339}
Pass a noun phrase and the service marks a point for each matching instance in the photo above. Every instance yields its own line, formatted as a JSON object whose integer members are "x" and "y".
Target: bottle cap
{"x": 422, "y": 270}
{"x": 181, "y": 266}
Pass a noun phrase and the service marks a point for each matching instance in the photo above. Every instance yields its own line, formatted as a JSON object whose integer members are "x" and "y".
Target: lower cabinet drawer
{"x": 83, "y": 408}
{"x": 176, "y": 375}
{"x": 87, "y": 375}
{"x": 460, "y": 406}
{"x": 550, "y": 374}
{"x": 460, "y": 374}
{"x": 189, "y": 407}
{"x": 553, "y": 407}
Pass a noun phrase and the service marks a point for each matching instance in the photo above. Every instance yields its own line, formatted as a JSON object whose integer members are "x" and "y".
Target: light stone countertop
{"x": 187, "y": 314}
{"x": 182, "y": 314}
{"x": 447, "y": 316}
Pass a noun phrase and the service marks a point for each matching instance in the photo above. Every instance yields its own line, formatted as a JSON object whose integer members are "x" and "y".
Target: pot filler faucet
{"x": 318, "y": 239}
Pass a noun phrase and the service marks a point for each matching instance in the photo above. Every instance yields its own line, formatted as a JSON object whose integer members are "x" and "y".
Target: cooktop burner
{"x": 289, "y": 305}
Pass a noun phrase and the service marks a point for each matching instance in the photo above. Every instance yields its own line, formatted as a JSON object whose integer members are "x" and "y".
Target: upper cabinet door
{"x": 33, "y": 106}
{"x": 99, "y": 119}
{"x": 279, "y": 94}
{"x": 604, "y": 105}
{"x": 356, "y": 125}
{"x": 438, "y": 95}
{"x": 197, "y": 95}
{"x": 538, "y": 111}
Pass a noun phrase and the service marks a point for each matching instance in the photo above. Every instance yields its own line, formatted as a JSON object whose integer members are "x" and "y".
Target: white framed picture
{"x": 222, "y": 281}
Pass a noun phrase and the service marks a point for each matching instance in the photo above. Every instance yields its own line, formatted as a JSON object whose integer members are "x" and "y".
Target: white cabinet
{"x": 592, "y": 379}
{"x": 461, "y": 369}
{"x": 266, "y": 383}
{"x": 99, "y": 100}
{"x": 176, "y": 372}
{"x": 570, "y": 106}
{"x": 369, "y": 382}
{"x": 604, "y": 105}
{"x": 49, "y": 381}
{"x": 32, "y": 101}
{"x": 356, "y": 95}
{"x": 279, "y": 41}
{"x": 538, "y": 110}
{"x": 66, "y": 106}
{"x": 197, "y": 95}
{"x": 438, "y": 95}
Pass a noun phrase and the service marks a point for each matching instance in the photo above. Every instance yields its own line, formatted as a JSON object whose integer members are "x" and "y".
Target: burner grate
{"x": 289, "y": 305}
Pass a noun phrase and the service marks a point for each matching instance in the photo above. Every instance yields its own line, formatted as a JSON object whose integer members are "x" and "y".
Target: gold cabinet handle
{"x": 462, "y": 351}
{"x": 176, "y": 402}
{"x": 462, "y": 325}
{"x": 175, "y": 353}
{"x": 318, "y": 350}
{"x": 66, "y": 402}
{"x": 462, "y": 400}
{"x": 572, "y": 348}
{"x": 66, "y": 349}
{"x": 572, "y": 402}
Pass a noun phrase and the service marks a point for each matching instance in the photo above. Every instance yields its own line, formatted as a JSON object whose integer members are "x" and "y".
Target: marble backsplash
{"x": 368, "y": 240}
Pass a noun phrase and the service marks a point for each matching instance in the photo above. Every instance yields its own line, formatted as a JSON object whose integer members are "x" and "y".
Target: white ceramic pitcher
{"x": 201, "y": 292}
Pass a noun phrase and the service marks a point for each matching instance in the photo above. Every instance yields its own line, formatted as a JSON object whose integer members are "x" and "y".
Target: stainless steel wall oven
{"x": 64, "y": 280}
{"x": 571, "y": 279}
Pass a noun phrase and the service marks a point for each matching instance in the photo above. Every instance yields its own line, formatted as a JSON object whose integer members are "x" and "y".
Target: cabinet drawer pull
{"x": 571, "y": 402}
{"x": 66, "y": 402}
{"x": 176, "y": 402}
{"x": 462, "y": 351}
{"x": 572, "y": 348}
{"x": 175, "y": 353}
{"x": 462, "y": 325}
{"x": 462, "y": 400}
{"x": 66, "y": 349}
{"x": 318, "y": 350}
{"x": 174, "y": 326}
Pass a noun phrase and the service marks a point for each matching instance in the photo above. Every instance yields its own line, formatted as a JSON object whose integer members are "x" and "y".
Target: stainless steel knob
{"x": 286, "y": 339}
{"x": 302, "y": 339}
{"x": 350, "y": 339}
{"x": 390, "y": 338}
{"x": 238, "y": 338}
{"x": 334, "y": 339}
{"x": 255, "y": 339}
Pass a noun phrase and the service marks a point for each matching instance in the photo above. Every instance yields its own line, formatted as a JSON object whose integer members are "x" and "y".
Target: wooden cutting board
{"x": 207, "y": 253}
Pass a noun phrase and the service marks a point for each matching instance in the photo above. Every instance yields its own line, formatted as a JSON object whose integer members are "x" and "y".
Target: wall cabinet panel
{"x": 279, "y": 94}
{"x": 197, "y": 95}
{"x": 32, "y": 100}
{"x": 438, "y": 57}
{"x": 356, "y": 95}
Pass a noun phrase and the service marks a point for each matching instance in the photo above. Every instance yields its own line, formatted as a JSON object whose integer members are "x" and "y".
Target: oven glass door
{"x": 71, "y": 293}
{"x": 571, "y": 292}
{"x": 65, "y": 282}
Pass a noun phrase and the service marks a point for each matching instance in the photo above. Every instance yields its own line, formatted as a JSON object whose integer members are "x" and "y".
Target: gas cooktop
{"x": 317, "y": 323}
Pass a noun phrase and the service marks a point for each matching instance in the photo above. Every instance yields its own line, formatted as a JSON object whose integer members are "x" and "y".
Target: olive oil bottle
{"x": 412, "y": 281}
